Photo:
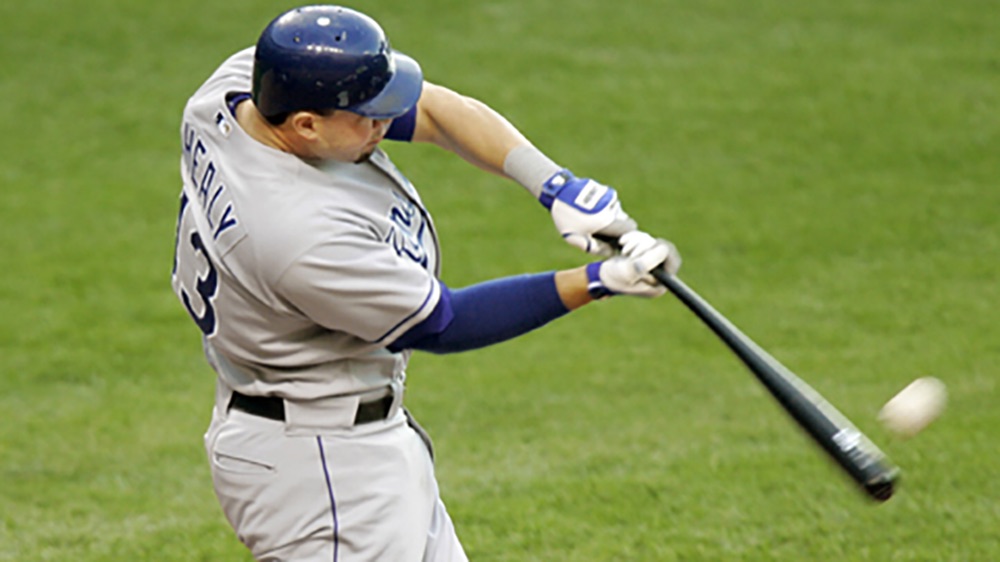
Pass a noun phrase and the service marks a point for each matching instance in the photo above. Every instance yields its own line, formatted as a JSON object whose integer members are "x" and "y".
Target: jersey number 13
{"x": 194, "y": 277}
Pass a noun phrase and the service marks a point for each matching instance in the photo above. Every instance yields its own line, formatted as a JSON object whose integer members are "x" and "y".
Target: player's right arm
{"x": 501, "y": 309}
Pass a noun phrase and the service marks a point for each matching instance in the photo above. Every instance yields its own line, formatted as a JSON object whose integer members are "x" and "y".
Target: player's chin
{"x": 364, "y": 156}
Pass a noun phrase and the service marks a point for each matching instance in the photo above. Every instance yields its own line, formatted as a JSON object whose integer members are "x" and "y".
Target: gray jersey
{"x": 298, "y": 274}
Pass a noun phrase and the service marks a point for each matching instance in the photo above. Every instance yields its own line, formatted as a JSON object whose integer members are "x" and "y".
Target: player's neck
{"x": 261, "y": 130}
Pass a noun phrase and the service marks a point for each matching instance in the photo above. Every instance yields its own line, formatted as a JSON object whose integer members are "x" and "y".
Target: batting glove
{"x": 629, "y": 273}
{"x": 582, "y": 208}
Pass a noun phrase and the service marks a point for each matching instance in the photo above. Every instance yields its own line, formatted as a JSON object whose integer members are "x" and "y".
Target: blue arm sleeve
{"x": 402, "y": 127}
{"x": 485, "y": 314}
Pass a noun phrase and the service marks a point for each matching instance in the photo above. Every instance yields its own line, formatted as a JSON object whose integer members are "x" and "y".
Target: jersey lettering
{"x": 228, "y": 221}
{"x": 407, "y": 232}
{"x": 195, "y": 277}
{"x": 204, "y": 176}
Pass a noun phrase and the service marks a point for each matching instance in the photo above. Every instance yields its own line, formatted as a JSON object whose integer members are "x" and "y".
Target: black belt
{"x": 273, "y": 407}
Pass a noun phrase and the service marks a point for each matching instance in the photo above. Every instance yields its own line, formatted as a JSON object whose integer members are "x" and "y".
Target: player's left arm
{"x": 580, "y": 207}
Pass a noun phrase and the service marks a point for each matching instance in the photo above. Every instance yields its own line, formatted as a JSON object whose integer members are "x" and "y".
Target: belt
{"x": 273, "y": 407}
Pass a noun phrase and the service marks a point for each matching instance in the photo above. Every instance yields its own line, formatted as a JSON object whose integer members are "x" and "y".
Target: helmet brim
{"x": 400, "y": 93}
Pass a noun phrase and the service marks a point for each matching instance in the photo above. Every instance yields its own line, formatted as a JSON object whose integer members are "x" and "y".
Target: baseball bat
{"x": 847, "y": 446}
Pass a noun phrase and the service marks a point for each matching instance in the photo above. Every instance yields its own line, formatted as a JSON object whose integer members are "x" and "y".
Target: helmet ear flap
{"x": 330, "y": 57}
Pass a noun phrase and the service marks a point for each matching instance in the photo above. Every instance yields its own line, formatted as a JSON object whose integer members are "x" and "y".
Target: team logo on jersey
{"x": 406, "y": 235}
{"x": 223, "y": 124}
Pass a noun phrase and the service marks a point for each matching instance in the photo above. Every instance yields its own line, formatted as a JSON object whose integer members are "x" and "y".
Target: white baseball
{"x": 915, "y": 407}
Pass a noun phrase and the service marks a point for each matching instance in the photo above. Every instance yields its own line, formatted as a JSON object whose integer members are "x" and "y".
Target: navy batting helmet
{"x": 323, "y": 57}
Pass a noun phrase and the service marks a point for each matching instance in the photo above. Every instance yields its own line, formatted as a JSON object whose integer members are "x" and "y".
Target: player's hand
{"x": 582, "y": 208}
{"x": 629, "y": 273}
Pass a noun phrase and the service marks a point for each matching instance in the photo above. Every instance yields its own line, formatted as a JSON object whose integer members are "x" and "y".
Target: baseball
{"x": 915, "y": 407}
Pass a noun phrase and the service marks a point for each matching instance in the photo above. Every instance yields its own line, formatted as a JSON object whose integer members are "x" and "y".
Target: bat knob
{"x": 881, "y": 489}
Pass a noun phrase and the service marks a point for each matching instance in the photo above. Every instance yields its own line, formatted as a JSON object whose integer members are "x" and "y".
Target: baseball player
{"x": 311, "y": 267}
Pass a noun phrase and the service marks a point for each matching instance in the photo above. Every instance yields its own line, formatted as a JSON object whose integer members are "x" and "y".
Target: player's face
{"x": 349, "y": 137}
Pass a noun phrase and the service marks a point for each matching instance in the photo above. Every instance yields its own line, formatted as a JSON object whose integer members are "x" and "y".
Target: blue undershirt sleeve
{"x": 485, "y": 314}
{"x": 402, "y": 127}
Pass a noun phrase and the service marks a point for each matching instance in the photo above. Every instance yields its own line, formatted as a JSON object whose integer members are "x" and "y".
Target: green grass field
{"x": 828, "y": 170}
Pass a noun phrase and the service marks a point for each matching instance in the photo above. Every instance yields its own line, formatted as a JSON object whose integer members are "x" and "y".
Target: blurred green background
{"x": 827, "y": 169}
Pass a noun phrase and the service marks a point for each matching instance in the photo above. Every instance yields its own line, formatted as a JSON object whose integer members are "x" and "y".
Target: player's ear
{"x": 304, "y": 124}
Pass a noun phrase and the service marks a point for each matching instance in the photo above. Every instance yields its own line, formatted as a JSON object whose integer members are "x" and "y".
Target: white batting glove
{"x": 582, "y": 208}
{"x": 637, "y": 243}
{"x": 629, "y": 273}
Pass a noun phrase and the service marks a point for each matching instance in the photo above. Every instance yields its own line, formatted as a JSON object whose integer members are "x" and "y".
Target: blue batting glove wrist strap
{"x": 552, "y": 187}
{"x": 596, "y": 289}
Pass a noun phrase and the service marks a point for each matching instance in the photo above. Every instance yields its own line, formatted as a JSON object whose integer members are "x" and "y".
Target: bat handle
{"x": 665, "y": 279}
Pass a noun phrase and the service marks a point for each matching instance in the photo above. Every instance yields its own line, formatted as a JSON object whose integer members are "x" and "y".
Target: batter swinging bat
{"x": 850, "y": 448}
